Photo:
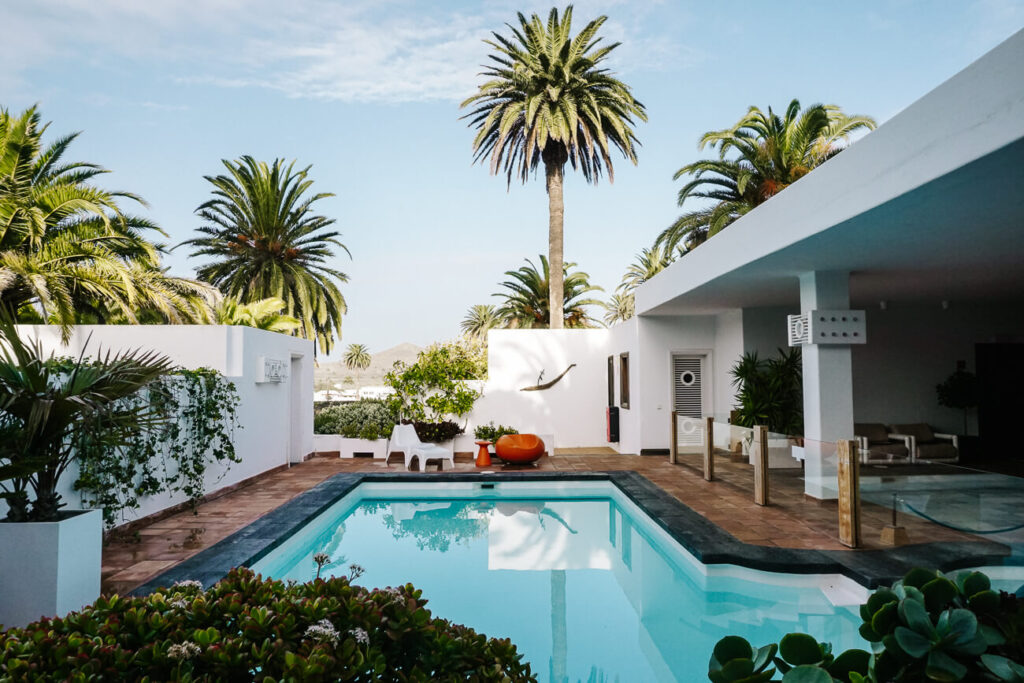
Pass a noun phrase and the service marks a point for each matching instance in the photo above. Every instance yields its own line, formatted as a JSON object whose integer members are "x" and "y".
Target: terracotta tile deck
{"x": 792, "y": 520}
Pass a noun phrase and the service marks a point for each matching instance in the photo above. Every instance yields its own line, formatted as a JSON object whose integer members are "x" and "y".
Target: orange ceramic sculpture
{"x": 519, "y": 448}
{"x": 483, "y": 457}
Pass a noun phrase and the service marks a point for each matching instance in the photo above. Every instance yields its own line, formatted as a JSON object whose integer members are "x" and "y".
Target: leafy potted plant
{"x": 770, "y": 393}
{"x": 489, "y": 432}
{"x": 439, "y": 386}
{"x": 959, "y": 391}
{"x": 52, "y": 555}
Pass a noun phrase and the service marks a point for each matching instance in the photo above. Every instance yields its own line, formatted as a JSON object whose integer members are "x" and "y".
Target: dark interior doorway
{"x": 1000, "y": 370}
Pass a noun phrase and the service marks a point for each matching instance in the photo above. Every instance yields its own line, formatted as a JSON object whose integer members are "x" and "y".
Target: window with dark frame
{"x": 624, "y": 380}
{"x": 611, "y": 380}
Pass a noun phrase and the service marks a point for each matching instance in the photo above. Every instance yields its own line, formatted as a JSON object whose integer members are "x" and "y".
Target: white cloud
{"x": 391, "y": 51}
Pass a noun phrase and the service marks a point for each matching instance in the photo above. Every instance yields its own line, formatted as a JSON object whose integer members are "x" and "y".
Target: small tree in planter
{"x": 960, "y": 391}
{"x": 43, "y": 405}
{"x": 435, "y": 388}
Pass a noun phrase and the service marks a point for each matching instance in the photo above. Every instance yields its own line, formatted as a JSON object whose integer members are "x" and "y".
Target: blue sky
{"x": 367, "y": 92}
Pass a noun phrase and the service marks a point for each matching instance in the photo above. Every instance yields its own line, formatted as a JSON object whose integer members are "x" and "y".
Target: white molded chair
{"x": 405, "y": 439}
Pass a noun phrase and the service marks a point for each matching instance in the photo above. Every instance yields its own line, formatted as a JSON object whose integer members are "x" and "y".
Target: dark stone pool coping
{"x": 701, "y": 537}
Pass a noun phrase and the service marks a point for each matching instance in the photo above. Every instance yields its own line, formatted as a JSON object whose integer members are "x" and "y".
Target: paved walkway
{"x": 792, "y": 520}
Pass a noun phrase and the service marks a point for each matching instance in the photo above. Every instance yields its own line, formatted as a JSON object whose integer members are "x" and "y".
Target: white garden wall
{"x": 572, "y": 410}
{"x": 275, "y": 419}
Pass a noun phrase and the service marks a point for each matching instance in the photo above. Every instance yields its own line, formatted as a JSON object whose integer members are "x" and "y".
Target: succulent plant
{"x": 925, "y": 627}
{"x": 734, "y": 660}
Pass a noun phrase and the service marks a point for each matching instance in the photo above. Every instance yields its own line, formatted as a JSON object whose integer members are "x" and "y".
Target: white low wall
{"x": 572, "y": 410}
{"x": 275, "y": 419}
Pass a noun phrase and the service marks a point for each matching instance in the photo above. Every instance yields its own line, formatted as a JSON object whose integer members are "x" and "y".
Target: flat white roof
{"x": 929, "y": 205}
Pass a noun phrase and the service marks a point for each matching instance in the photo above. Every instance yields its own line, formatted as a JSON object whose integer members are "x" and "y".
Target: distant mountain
{"x": 329, "y": 374}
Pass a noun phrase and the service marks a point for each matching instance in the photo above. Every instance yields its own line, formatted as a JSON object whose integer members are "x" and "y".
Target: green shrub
{"x": 352, "y": 420}
{"x": 246, "y": 628}
{"x": 926, "y": 627}
{"x": 489, "y": 432}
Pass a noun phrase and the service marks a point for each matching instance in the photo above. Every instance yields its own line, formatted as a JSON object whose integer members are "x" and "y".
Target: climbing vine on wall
{"x": 196, "y": 417}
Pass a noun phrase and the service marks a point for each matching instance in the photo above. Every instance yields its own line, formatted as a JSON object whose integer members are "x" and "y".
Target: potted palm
{"x": 50, "y": 554}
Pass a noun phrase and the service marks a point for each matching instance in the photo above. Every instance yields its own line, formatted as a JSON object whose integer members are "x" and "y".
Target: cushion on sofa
{"x": 921, "y": 432}
{"x": 874, "y": 432}
{"x": 887, "y": 451}
{"x": 943, "y": 450}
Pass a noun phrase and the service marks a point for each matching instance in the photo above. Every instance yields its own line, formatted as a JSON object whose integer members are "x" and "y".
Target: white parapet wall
{"x": 275, "y": 418}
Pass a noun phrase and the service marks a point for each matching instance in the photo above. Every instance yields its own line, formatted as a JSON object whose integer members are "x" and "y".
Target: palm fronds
{"x": 265, "y": 241}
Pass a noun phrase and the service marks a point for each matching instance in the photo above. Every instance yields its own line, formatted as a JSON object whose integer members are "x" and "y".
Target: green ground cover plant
{"x": 366, "y": 419}
{"x": 247, "y": 628}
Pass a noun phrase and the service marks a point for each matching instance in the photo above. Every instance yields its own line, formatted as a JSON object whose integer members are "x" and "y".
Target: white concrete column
{"x": 828, "y": 385}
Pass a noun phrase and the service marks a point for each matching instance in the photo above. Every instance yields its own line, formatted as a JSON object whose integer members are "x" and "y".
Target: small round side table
{"x": 483, "y": 457}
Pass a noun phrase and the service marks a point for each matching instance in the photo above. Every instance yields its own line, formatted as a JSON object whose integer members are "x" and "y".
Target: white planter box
{"x": 326, "y": 443}
{"x": 48, "y": 569}
{"x": 378, "y": 448}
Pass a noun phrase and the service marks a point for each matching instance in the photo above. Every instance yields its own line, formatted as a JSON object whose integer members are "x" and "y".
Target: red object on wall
{"x": 519, "y": 448}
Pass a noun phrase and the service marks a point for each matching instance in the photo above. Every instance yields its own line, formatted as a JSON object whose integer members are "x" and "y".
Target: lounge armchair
{"x": 878, "y": 446}
{"x": 404, "y": 439}
{"x": 929, "y": 446}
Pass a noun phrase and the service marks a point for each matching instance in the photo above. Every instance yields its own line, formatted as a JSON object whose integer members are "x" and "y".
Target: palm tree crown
{"x": 264, "y": 314}
{"x": 526, "y": 301}
{"x": 549, "y": 98}
{"x": 758, "y": 157}
{"x": 479, "y": 319}
{"x": 647, "y": 264}
{"x": 619, "y": 308}
{"x": 266, "y": 242}
{"x": 67, "y": 249}
{"x": 357, "y": 357}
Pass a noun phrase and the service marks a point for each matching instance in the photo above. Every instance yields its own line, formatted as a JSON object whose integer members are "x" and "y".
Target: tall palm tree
{"x": 357, "y": 357}
{"x": 758, "y": 157}
{"x": 68, "y": 249}
{"x": 266, "y": 242}
{"x": 619, "y": 308}
{"x": 549, "y": 98}
{"x": 526, "y": 303}
{"x": 479, "y": 319}
{"x": 264, "y": 314}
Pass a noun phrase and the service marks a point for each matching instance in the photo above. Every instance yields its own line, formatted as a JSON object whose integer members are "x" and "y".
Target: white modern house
{"x": 916, "y": 230}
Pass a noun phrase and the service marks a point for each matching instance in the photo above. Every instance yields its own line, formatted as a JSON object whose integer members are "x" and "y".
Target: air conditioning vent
{"x": 799, "y": 330}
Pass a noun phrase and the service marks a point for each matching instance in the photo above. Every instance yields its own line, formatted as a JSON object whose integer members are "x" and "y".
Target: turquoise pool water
{"x": 579, "y": 578}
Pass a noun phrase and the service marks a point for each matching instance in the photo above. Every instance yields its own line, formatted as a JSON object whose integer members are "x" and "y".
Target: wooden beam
{"x": 709, "y": 448}
{"x": 849, "y": 494}
{"x": 673, "y": 450}
{"x": 760, "y": 465}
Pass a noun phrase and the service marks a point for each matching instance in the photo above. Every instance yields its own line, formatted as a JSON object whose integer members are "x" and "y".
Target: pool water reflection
{"x": 586, "y": 588}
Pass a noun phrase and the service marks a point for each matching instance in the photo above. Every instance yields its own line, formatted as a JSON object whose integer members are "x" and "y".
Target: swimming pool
{"x": 580, "y": 578}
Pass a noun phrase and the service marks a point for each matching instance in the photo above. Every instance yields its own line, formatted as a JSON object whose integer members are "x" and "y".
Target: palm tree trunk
{"x": 556, "y": 214}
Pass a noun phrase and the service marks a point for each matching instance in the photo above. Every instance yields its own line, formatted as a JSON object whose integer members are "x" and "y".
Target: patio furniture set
{"x": 905, "y": 444}
{"x": 518, "y": 449}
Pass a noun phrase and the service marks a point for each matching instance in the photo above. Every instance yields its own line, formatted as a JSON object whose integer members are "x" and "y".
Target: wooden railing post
{"x": 849, "y": 494}
{"x": 709, "y": 448}
{"x": 673, "y": 450}
{"x": 761, "y": 465}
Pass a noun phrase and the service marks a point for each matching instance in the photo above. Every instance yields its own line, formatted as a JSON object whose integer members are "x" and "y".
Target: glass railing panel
{"x": 945, "y": 501}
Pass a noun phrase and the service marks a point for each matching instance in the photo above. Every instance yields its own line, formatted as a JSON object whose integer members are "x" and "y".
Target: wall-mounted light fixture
{"x": 883, "y": 304}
